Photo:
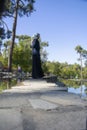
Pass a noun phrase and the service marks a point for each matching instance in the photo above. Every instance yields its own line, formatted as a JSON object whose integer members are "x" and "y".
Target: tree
{"x": 5, "y": 52}
{"x": 85, "y": 73}
{"x": 82, "y": 55}
{"x": 43, "y": 51}
{"x": 4, "y": 11}
{"x": 21, "y": 8}
{"x": 22, "y": 53}
{"x": 79, "y": 50}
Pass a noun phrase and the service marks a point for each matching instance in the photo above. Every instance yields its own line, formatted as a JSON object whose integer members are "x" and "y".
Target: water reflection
{"x": 77, "y": 87}
{"x": 80, "y": 90}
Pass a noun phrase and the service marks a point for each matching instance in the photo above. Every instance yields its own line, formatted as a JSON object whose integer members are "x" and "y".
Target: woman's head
{"x": 37, "y": 35}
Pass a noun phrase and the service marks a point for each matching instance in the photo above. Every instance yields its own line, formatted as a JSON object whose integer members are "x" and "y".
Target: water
{"x": 76, "y": 87}
{"x": 81, "y": 90}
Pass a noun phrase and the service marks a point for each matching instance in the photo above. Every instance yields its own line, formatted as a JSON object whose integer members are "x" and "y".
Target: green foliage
{"x": 15, "y": 8}
{"x": 25, "y": 7}
{"x": 22, "y": 53}
{"x": 45, "y": 68}
{"x": 43, "y": 51}
{"x": 57, "y": 69}
{"x": 6, "y": 84}
{"x": 82, "y": 52}
{"x": 4, "y": 31}
{"x": 82, "y": 56}
{"x": 50, "y": 66}
{"x": 79, "y": 49}
{"x": 85, "y": 72}
{"x": 70, "y": 83}
{"x": 63, "y": 70}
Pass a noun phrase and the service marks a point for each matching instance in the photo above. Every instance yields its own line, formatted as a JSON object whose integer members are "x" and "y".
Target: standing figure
{"x": 2, "y": 7}
{"x": 19, "y": 69}
{"x": 37, "y": 71}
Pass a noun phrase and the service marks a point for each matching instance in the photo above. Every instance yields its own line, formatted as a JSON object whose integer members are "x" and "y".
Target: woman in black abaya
{"x": 37, "y": 71}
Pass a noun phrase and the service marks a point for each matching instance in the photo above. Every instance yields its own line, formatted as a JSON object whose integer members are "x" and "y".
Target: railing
{"x": 18, "y": 75}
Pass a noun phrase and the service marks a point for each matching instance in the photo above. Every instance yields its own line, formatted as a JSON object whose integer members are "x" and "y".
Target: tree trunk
{"x": 13, "y": 38}
{"x": 81, "y": 66}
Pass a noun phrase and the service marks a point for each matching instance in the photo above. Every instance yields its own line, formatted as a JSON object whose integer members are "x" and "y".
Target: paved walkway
{"x": 33, "y": 85}
{"x": 38, "y": 105}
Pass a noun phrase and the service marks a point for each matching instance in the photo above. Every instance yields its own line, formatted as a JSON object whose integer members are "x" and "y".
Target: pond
{"x": 77, "y": 87}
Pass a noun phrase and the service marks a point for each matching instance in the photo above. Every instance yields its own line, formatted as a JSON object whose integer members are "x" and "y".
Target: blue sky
{"x": 62, "y": 23}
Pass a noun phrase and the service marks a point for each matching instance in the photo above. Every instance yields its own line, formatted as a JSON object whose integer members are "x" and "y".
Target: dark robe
{"x": 37, "y": 71}
{"x": 2, "y": 7}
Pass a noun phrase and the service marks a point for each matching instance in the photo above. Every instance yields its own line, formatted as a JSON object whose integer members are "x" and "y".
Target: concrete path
{"x": 34, "y": 86}
{"x": 10, "y": 119}
{"x": 38, "y": 105}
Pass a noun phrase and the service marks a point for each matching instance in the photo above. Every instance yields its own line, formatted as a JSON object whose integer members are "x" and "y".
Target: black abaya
{"x": 37, "y": 71}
